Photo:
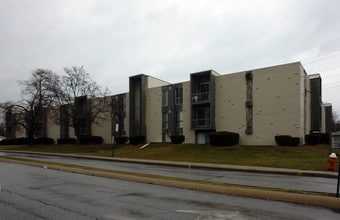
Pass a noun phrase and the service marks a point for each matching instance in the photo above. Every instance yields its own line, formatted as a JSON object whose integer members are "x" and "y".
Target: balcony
{"x": 201, "y": 122}
{"x": 200, "y": 97}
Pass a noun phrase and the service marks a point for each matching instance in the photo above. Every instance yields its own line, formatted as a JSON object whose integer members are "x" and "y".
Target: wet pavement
{"x": 306, "y": 183}
{"x": 37, "y": 193}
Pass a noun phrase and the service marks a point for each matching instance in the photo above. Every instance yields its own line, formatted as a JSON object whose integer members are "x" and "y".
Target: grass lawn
{"x": 304, "y": 157}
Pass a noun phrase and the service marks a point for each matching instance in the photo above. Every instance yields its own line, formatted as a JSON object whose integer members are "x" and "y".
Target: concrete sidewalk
{"x": 269, "y": 170}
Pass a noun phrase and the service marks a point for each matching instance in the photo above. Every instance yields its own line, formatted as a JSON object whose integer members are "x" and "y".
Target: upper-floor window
{"x": 82, "y": 105}
{"x": 178, "y": 95}
{"x": 123, "y": 103}
{"x": 165, "y": 97}
{"x": 201, "y": 92}
{"x": 205, "y": 91}
{"x": 165, "y": 120}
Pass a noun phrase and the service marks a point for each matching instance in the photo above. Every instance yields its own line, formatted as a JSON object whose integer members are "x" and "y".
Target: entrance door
{"x": 201, "y": 137}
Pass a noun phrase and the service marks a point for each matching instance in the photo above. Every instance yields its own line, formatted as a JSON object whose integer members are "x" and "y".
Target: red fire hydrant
{"x": 332, "y": 161}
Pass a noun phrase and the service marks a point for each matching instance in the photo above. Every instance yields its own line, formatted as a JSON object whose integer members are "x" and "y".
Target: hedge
{"x": 24, "y": 141}
{"x": 91, "y": 140}
{"x": 295, "y": 141}
{"x": 283, "y": 140}
{"x": 312, "y": 139}
{"x": 287, "y": 140}
{"x": 62, "y": 141}
{"x": 224, "y": 138}
{"x": 317, "y": 138}
{"x": 137, "y": 140}
{"x": 121, "y": 140}
{"x": 14, "y": 141}
{"x": 43, "y": 141}
{"x": 177, "y": 139}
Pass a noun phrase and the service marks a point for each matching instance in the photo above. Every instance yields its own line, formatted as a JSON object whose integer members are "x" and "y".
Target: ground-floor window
{"x": 165, "y": 137}
{"x": 179, "y": 119}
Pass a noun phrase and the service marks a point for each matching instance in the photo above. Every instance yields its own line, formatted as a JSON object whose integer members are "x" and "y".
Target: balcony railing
{"x": 200, "y": 97}
{"x": 200, "y": 122}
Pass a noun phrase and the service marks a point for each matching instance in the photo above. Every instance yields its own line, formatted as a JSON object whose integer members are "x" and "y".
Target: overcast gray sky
{"x": 167, "y": 39}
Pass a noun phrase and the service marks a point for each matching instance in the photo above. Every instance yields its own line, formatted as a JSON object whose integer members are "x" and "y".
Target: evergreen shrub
{"x": 9, "y": 141}
{"x": 43, "y": 141}
{"x": 224, "y": 138}
{"x": 294, "y": 141}
{"x": 287, "y": 140}
{"x": 14, "y": 141}
{"x": 312, "y": 139}
{"x": 121, "y": 140}
{"x": 177, "y": 139}
{"x": 62, "y": 141}
{"x": 135, "y": 140}
{"x": 91, "y": 140}
{"x": 324, "y": 138}
{"x": 283, "y": 140}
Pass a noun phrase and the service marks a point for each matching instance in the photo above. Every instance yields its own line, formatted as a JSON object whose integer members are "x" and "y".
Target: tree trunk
{"x": 30, "y": 138}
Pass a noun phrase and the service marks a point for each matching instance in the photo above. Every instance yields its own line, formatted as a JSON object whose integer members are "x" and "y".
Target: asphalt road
{"x": 315, "y": 184}
{"x": 37, "y": 193}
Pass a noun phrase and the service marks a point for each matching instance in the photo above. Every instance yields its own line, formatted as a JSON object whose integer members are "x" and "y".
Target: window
{"x": 81, "y": 106}
{"x": 82, "y": 122}
{"x": 201, "y": 92}
{"x": 165, "y": 120}
{"x": 123, "y": 103}
{"x": 201, "y": 117}
{"x": 38, "y": 130}
{"x": 178, "y": 95}
{"x": 205, "y": 91}
{"x": 166, "y": 137}
{"x": 165, "y": 97}
{"x": 179, "y": 119}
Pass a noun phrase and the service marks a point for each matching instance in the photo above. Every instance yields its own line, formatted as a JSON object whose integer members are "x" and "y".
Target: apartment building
{"x": 257, "y": 104}
{"x": 45, "y": 125}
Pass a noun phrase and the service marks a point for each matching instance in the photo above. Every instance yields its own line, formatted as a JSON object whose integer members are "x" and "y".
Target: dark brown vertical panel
{"x": 249, "y": 102}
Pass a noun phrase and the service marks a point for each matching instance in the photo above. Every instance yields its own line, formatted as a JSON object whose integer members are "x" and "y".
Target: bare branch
{"x": 81, "y": 100}
{"x": 37, "y": 96}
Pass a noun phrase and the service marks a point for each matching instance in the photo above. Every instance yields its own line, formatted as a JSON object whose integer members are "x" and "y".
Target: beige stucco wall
{"x": 276, "y": 104}
{"x": 230, "y": 113}
{"x": 154, "y": 115}
{"x": 102, "y": 126}
{"x": 154, "y": 82}
{"x": 187, "y": 132}
{"x": 20, "y": 132}
{"x": 103, "y": 129}
{"x": 53, "y": 130}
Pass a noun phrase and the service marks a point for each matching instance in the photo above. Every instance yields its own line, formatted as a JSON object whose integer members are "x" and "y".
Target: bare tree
{"x": 82, "y": 101}
{"x": 37, "y": 97}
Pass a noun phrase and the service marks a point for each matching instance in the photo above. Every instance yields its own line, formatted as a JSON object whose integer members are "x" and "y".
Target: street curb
{"x": 267, "y": 170}
{"x": 314, "y": 200}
